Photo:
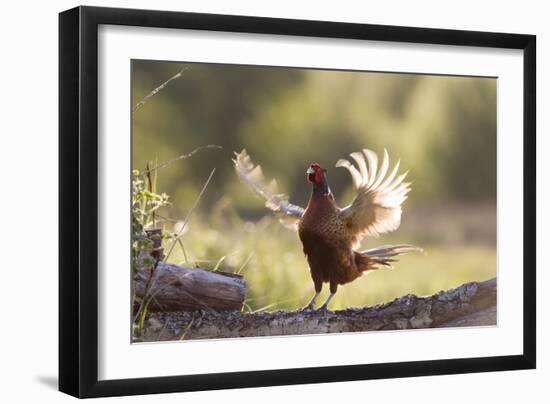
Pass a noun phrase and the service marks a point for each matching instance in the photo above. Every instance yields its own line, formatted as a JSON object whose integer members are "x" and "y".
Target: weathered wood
{"x": 176, "y": 288}
{"x": 155, "y": 234}
{"x": 470, "y": 304}
{"x": 484, "y": 317}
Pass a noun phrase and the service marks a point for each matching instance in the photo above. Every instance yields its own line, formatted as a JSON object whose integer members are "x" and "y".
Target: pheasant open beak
{"x": 310, "y": 171}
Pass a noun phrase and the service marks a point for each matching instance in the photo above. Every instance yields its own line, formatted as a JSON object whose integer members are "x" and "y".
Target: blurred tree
{"x": 205, "y": 106}
{"x": 443, "y": 128}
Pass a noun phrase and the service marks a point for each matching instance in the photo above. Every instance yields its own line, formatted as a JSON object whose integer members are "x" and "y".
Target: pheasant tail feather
{"x": 370, "y": 259}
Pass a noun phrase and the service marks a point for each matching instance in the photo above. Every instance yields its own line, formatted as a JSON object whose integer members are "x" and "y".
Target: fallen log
{"x": 176, "y": 288}
{"x": 471, "y": 304}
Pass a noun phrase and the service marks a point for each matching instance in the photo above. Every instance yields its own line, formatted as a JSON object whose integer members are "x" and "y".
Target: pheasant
{"x": 331, "y": 235}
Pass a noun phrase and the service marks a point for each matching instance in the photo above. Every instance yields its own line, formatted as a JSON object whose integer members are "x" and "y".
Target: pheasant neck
{"x": 321, "y": 188}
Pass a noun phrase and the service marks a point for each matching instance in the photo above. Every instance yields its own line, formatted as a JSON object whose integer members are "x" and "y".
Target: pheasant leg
{"x": 333, "y": 289}
{"x": 325, "y": 304}
{"x": 310, "y": 305}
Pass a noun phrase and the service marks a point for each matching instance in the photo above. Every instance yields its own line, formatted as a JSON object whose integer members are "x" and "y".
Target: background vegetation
{"x": 442, "y": 128}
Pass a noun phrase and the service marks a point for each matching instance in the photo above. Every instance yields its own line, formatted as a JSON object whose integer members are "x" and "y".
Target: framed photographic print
{"x": 251, "y": 201}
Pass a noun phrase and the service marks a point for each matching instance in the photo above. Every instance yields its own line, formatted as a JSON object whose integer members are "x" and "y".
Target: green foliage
{"x": 442, "y": 128}
{"x": 144, "y": 205}
{"x": 148, "y": 241}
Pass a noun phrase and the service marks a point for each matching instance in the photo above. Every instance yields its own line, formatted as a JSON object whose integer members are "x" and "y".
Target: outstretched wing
{"x": 376, "y": 208}
{"x": 253, "y": 176}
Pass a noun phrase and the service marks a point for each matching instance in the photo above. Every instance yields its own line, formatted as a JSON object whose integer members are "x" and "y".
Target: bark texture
{"x": 176, "y": 288}
{"x": 471, "y": 304}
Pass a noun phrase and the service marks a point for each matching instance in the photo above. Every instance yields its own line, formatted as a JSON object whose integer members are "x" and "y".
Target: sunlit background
{"x": 443, "y": 129}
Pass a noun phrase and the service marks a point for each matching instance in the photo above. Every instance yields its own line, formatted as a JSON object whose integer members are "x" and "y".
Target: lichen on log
{"x": 472, "y": 304}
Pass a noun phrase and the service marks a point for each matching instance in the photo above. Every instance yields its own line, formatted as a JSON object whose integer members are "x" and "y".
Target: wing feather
{"x": 253, "y": 176}
{"x": 355, "y": 175}
{"x": 376, "y": 208}
{"x": 372, "y": 162}
{"x": 360, "y": 160}
{"x": 392, "y": 175}
{"x": 383, "y": 170}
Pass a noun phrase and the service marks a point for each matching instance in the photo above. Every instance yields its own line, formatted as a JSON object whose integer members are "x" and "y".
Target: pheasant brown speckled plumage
{"x": 329, "y": 234}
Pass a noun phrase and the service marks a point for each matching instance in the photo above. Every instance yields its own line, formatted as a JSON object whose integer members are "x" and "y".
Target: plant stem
{"x": 150, "y": 190}
{"x": 182, "y": 157}
{"x": 156, "y": 90}
{"x": 186, "y": 220}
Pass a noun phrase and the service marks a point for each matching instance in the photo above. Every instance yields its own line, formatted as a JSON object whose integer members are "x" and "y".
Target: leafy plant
{"x": 147, "y": 237}
{"x": 145, "y": 204}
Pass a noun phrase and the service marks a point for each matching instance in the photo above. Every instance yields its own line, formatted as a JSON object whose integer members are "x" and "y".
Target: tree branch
{"x": 471, "y": 304}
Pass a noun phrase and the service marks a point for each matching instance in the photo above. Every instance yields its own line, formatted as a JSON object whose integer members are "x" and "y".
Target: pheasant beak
{"x": 310, "y": 171}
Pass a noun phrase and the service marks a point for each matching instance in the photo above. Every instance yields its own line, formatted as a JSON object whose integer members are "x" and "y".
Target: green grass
{"x": 270, "y": 258}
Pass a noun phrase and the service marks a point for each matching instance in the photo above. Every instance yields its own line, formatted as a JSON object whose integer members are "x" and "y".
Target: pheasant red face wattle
{"x": 315, "y": 173}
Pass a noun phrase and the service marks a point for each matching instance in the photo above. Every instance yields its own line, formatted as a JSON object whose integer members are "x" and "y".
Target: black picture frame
{"x": 78, "y": 200}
